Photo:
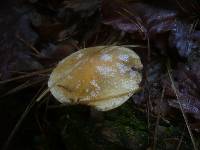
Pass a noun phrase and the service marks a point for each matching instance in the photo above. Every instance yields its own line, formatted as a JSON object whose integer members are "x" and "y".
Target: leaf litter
{"x": 39, "y": 34}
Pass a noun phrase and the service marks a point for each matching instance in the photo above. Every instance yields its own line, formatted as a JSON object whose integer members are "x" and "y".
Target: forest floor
{"x": 36, "y": 35}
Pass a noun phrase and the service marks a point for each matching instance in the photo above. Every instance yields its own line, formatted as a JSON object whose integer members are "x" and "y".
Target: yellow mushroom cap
{"x": 100, "y": 76}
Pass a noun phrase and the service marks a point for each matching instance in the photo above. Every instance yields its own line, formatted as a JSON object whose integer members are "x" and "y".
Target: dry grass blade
{"x": 181, "y": 107}
{"x": 26, "y": 76}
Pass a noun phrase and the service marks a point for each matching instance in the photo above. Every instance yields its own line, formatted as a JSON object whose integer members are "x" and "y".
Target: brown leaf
{"x": 150, "y": 21}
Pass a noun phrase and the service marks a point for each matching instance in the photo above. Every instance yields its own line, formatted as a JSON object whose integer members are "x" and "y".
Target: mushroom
{"x": 103, "y": 77}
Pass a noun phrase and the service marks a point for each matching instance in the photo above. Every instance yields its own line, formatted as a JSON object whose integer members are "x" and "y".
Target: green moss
{"x": 121, "y": 128}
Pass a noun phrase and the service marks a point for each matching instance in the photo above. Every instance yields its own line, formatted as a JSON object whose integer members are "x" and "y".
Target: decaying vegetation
{"x": 36, "y": 35}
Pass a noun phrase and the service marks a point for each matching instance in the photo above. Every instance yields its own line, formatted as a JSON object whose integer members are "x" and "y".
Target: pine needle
{"x": 19, "y": 122}
{"x": 181, "y": 107}
{"x": 26, "y": 76}
{"x": 22, "y": 86}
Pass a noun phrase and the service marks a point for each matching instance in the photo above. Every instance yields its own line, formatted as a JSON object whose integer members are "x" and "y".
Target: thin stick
{"x": 181, "y": 107}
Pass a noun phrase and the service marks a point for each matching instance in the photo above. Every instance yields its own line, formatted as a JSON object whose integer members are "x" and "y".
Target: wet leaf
{"x": 162, "y": 26}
